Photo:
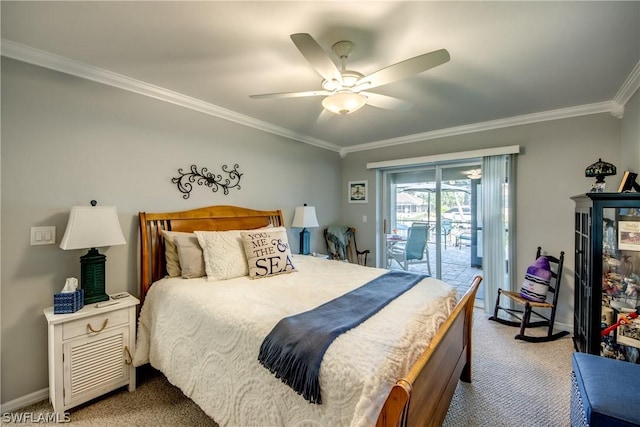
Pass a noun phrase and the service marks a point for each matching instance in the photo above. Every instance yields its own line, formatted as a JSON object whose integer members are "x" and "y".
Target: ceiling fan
{"x": 346, "y": 91}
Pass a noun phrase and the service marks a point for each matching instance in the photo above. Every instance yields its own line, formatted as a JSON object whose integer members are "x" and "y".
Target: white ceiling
{"x": 509, "y": 60}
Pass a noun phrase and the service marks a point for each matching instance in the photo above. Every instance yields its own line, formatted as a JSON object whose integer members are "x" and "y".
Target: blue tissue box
{"x": 69, "y": 302}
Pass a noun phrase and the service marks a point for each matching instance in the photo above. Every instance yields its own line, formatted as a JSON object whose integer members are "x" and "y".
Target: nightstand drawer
{"x": 98, "y": 323}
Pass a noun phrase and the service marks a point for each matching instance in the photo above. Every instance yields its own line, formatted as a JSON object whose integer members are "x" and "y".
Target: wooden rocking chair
{"x": 348, "y": 253}
{"x": 531, "y": 307}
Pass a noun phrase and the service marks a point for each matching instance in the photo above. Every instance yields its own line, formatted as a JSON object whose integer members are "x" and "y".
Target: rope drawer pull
{"x": 104, "y": 325}
{"x": 130, "y": 360}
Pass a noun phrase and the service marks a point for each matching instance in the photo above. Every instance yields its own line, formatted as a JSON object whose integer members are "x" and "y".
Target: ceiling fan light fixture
{"x": 350, "y": 78}
{"x": 343, "y": 88}
{"x": 330, "y": 85}
{"x": 344, "y": 102}
{"x": 473, "y": 173}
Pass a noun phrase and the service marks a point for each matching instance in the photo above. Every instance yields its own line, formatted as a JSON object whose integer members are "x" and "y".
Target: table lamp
{"x": 90, "y": 227}
{"x": 305, "y": 216}
{"x": 599, "y": 170}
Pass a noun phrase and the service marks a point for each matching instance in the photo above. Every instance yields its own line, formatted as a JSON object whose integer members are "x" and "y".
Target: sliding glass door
{"x": 444, "y": 199}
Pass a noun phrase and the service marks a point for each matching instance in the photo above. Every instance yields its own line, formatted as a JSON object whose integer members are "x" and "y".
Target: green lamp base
{"x": 92, "y": 276}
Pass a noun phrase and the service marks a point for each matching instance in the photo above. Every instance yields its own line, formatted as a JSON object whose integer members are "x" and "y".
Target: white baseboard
{"x": 563, "y": 327}
{"x": 21, "y": 402}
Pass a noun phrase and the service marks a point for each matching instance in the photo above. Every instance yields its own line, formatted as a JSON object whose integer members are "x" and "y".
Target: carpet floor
{"x": 515, "y": 383}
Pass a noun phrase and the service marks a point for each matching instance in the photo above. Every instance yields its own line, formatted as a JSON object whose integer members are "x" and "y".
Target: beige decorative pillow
{"x": 190, "y": 256}
{"x": 223, "y": 254}
{"x": 171, "y": 252}
{"x": 267, "y": 252}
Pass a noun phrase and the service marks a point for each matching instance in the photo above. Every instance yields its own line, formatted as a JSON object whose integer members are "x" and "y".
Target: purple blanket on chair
{"x": 295, "y": 347}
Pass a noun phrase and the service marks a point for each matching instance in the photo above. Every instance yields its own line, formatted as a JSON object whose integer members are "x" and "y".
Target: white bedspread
{"x": 205, "y": 337}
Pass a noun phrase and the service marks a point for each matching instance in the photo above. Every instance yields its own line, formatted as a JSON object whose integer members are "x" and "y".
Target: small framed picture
{"x": 629, "y": 334}
{"x": 628, "y": 182}
{"x": 629, "y": 235}
{"x": 358, "y": 192}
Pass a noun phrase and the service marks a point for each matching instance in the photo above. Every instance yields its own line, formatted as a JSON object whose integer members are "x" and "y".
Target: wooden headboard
{"x": 212, "y": 218}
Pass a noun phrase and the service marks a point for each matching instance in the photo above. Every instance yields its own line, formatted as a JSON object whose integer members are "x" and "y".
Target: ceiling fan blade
{"x": 386, "y": 102}
{"x": 324, "y": 116}
{"x": 316, "y": 56}
{"x": 406, "y": 68}
{"x": 291, "y": 94}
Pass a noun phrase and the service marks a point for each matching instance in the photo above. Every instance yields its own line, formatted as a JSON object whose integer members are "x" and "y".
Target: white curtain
{"x": 497, "y": 231}
{"x": 511, "y": 221}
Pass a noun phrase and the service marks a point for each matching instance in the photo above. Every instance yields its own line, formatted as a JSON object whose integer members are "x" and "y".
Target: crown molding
{"x": 65, "y": 65}
{"x": 629, "y": 87}
{"x": 563, "y": 113}
{"x": 20, "y": 52}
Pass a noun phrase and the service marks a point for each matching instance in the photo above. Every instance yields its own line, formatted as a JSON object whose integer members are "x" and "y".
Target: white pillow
{"x": 224, "y": 256}
{"x": 268, "y": 252}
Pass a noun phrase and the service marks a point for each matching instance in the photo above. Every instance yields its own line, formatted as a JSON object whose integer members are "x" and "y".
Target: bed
{"x": 203, "y": 335}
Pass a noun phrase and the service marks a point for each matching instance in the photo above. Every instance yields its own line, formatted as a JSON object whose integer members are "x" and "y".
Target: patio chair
{"x": 414, "y": 250}
{"x": 524, "y": 315}
{"x": 446, "y": 226}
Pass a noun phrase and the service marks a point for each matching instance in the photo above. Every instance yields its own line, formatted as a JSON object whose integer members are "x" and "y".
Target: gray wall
{"x": 550, "y": 169}
{"x": 66, "y": 141}
{"x": 630, "y": 154}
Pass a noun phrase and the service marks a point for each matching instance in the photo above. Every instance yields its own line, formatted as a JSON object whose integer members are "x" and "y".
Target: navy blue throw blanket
{"x": 295, "y": 347}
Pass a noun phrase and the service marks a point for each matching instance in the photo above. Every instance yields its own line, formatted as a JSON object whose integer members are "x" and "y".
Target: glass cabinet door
{"x": 582, "y": 288}
{"x": 620, "y": 271}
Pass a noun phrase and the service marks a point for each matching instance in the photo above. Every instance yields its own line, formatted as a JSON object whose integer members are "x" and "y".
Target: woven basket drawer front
{"x": 81, "y": 327}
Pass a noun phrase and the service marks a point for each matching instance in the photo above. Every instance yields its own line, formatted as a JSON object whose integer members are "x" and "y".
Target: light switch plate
{"x": 43, "y": 235}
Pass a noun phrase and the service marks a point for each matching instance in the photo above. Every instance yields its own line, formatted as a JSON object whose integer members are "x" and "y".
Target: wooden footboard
{"x": 422, "y": 398}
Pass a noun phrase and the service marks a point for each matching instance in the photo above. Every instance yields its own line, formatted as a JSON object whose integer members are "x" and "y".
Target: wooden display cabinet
{"x": 607, "y": 270}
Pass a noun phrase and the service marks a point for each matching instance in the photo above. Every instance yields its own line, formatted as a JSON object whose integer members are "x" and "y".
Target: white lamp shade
{"x": 305, "y": 217}
{"x": 92, "y": 227}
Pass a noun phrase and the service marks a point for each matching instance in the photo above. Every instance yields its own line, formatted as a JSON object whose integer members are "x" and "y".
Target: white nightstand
{"x": 90, "y": 352}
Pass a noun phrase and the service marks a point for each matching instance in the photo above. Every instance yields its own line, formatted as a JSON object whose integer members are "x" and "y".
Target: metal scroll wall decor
{"x": 211, "y": 180}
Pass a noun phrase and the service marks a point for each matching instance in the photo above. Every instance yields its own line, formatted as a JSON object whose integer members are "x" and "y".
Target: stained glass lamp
{"x": 599, "y": 170}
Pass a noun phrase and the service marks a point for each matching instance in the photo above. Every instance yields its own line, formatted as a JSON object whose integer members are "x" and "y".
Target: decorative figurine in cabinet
{"x": 607, "y": 275}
